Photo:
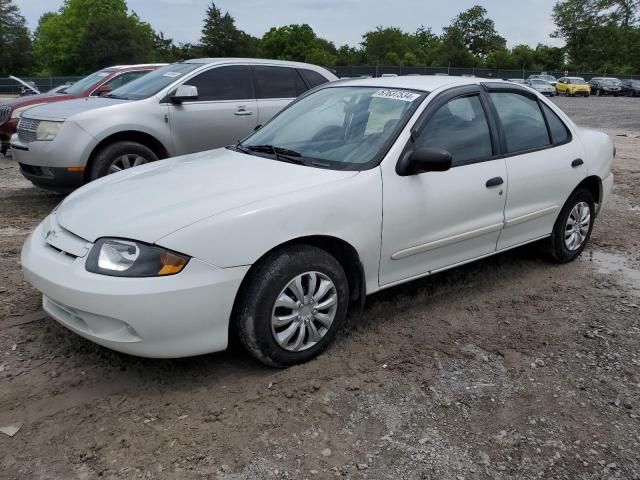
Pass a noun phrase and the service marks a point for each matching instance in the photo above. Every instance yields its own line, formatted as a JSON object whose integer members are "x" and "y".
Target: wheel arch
{"x": 149, "y": 141}
{"x": 344, "y": 253}
{"x": 593, "y": 183}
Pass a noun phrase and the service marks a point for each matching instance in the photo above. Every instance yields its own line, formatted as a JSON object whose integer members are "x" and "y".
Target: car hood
{"x": 63, "y": 110}
{"x": 149, "y": 202}
{"x": 37, "y": 99}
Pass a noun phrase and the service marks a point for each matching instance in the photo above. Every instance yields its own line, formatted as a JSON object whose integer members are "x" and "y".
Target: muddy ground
{"x": 511, "y": 367}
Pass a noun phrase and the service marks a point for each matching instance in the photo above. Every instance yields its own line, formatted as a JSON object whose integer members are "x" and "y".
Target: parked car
{"x": 542, "y": 86}
{"x": 543, "y": 76}
{"x": 60, "y": 88}
{"x": 356, "y": 187}
{"x": 98, "y": 83}
{"x": 181, "y": 108}
{"x": 631, "y": 88}
{"x": 572, "y": 86}
{"x": 605, "y": 86}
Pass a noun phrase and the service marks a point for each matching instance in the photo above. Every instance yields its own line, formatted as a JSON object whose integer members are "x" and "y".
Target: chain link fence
{"x": 11, "y": 87}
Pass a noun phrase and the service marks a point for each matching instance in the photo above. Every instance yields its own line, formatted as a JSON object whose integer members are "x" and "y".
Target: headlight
{"x": 17, "y": 113}
{"x": 47, "y": 131}
{"x": 127, "y": 258}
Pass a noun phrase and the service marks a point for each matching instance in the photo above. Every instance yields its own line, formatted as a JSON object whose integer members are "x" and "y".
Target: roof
{"x": 427, "y": 83}
{"x": 265, "y": 61}
{"x": 140, "y": 65}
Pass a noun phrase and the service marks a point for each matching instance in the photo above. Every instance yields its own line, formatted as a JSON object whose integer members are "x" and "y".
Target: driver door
{"x": 436, "y": 220}
{"x": 224, "y": 112}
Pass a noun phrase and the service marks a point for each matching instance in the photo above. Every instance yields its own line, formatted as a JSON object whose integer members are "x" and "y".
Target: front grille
{"x": 27, "y": 129}
{"x": 5, "y": 113}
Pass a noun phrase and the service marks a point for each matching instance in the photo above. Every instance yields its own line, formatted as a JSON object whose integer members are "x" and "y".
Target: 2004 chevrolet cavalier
{"x": 355, "y": 187}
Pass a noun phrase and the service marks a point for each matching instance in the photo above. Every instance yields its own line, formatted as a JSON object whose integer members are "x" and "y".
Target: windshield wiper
{"x": 283, "y": 154}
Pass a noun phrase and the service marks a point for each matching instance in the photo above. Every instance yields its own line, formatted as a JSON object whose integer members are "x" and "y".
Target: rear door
{"x": 276, "y": 87}
{"x": 544, "y": 163}
{"x": 225, "y": 111}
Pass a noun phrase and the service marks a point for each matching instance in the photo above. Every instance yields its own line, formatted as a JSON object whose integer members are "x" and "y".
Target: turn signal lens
{"x": 171, "y": 263}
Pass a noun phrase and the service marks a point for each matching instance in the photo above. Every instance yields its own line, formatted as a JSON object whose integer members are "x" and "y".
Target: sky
{"x": 341, "y": 21}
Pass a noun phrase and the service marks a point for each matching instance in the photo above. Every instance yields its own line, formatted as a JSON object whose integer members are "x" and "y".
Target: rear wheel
{"x": 573, "y": 227}
{"x": 292, "y": 306}
{"x": 120, "y": 156}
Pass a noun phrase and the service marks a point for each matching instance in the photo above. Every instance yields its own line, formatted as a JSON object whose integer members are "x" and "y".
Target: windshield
{"x": 577, "y": 81}
{"x": 611, "y": 81}
{"x": 153, "y": 82}
{"x": 542, "y": 83}
{"x": 346, "y": 128}
{"x": 87, "y": 82}
{"x": 548, "y": 78}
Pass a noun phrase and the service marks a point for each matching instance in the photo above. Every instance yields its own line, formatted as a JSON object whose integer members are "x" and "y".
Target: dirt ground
{"x": 510, "y": 367}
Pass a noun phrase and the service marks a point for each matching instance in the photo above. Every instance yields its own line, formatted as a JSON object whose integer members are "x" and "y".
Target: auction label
{"x": 403, "y": 95}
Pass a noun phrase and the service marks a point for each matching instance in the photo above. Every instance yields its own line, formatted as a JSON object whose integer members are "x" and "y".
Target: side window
{"x": 312, "y": 78}
{"x": 224, "y": 83}
{"x": 125, "y": 78}
{"x": 461, "y": 128}
{"x": 278, "y": 82}
{"x": 559, "y": 131}
{"x": 522, "y": 122}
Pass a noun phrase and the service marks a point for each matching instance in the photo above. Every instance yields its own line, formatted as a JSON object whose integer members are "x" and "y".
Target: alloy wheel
{"x": 126, "y": 161}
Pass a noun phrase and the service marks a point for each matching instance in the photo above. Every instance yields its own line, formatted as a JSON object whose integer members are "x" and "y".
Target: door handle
{"x": 494, "y": 182}
{"x": 577, "y": 162}
{"x": 242, "y": 111}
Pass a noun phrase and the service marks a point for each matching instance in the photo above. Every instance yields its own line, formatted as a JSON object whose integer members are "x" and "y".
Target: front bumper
{"x": 166, "y": 317}
{"x": 51, "y": 178}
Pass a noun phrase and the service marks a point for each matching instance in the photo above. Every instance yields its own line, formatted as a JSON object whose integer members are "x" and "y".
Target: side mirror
{"x": 424, "y": 160}
{"x": 184, "y": 93}
{"x": 102, "y": 90}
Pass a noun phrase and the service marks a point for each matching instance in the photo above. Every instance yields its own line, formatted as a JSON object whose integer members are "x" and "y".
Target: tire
{"x": 555, "y": 246}
{"x": 109, "y": 157}
{"x": 598, "y": 93}
{"x": 256, "y": 306}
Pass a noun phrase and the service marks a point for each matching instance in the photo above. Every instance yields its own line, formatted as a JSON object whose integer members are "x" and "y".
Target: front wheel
{"x": 573, "y": 227}
{"x": 120, "y": 156}
{"x": 292, "y": 306}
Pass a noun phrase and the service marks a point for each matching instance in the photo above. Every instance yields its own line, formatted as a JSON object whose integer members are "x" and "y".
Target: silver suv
{"x": 178, "y": 109}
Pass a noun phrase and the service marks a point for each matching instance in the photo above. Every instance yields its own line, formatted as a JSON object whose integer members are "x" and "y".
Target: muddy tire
{"x": 572, "y": 229}
{"x": 292, "y": 305}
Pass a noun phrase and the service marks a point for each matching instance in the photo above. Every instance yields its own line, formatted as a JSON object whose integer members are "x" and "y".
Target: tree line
{"x": 85, "y": 35}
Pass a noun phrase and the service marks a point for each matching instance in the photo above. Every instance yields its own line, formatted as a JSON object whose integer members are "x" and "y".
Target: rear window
{"x": 312, "y": 78}
{"x": 278, "y": 82}
{"x": 559, "y": 131}
{"x": 522, "y": 121}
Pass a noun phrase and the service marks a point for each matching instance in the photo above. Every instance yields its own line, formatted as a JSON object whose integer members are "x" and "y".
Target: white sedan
{"x": 356, "y": 187}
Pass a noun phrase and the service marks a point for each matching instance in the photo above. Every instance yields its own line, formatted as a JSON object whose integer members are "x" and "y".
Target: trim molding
{"x": 530, "y": 216}
{"x": 446, "y": 241}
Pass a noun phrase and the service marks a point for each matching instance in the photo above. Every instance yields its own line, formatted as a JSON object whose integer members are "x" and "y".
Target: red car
{"x": 96, "y": 84}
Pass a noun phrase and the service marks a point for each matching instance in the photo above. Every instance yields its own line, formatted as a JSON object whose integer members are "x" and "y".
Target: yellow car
{"x": 572, "y": 86}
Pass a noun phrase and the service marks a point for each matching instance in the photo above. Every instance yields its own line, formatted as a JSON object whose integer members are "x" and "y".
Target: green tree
{"x": 221, "y": 38}
{"x": 453, "y": 50}
{"x": 299, "y": 43}
{"x": 478, "y": 31}
{"x": 387, "y": 46}
{"x": 15, "y": 41}
{"x": 60, "y": 45}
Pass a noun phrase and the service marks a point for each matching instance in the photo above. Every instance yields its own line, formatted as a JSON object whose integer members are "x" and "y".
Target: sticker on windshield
{"x": 403, "y": 95}
{"x": 172, "y": 74}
